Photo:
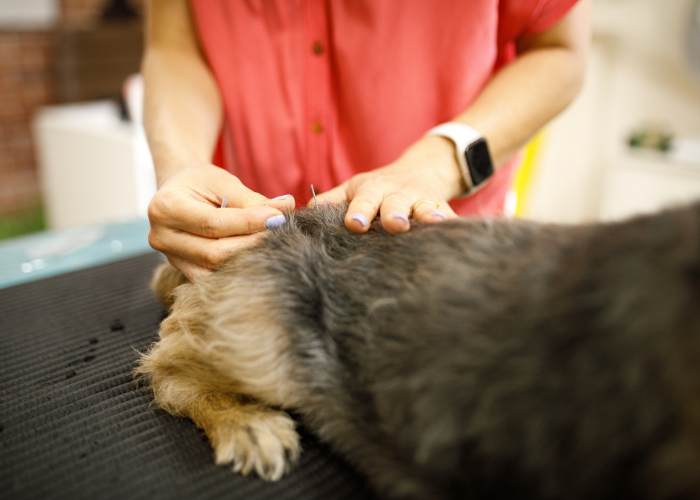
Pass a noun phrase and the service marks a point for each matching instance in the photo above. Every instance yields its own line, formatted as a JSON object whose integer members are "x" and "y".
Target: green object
{"x": 636, "y": 140}
{"x": 654, "y": 138}
{"x": 27, "y": 221}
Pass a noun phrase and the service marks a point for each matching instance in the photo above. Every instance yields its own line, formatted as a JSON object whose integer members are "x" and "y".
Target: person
{"x": 340, "y": 94}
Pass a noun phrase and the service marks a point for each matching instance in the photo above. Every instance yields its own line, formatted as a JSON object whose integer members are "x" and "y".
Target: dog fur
{"x": 476, "y": 358}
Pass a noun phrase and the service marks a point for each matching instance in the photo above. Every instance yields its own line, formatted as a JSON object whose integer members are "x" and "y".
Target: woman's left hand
{"x": 427, "y": 170}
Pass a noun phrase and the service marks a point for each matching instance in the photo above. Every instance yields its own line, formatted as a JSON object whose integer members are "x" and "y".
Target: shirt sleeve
{"x": 525, "y": 17}
{"x": 547, "y": 14}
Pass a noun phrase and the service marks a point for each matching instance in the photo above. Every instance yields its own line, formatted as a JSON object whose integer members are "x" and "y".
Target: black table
{"x": 73, "y": 424}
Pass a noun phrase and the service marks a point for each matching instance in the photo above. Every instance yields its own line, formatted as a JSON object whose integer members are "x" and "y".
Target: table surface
{"x": 73, "y": 423}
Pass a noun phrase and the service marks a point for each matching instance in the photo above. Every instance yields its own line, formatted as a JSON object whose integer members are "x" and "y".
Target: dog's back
{"x": 494, "y": 358}
{"x": 490, "y": 358}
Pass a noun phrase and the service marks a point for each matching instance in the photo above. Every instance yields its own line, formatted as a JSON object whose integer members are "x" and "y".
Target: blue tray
{"x": 37, "y": 256}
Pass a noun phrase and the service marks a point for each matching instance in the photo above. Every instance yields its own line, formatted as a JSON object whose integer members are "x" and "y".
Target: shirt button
{"x": 316, "y": 128}
{"x": 317, "y": 48}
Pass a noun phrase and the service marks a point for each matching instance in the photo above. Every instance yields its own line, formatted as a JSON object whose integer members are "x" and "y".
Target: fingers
{"x": 202, "y": 253}
{"x": 179, "y": 210}
{"x": 283, "y": 203}
{"x": 398, "y": 208}
{"x": 395, "y": 213}
{"x": 363, "y": 208}
{"x": 395, "y": 208}
{"x": 428, "y": 213}
{"x": 214, "y": 183}
{"x": 244, "y": 198}
{"x": 192, "y": 271}
{"x": 191, "y": 201}
{"x": 338, "y": 194}
{"x": 189, "y": 226}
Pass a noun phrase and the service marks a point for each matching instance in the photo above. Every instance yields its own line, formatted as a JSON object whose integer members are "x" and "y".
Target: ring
{"x": 419, "y": 202}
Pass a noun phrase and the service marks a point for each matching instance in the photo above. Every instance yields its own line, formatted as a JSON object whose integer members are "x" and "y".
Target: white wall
{"x": 28, "y": 14}
{"x": 637, "y": 74}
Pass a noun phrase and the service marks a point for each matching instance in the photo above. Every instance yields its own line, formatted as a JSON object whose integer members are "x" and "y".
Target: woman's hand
{"x": 427, "y": 170}
{"x": 194, "y": 233}
{"x": 183, "y": 114}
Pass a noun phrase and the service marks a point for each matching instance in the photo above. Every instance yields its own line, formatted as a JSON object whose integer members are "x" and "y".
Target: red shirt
{"x": 316, "y": 91}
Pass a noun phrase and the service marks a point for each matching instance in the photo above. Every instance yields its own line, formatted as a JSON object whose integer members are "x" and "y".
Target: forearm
{"x": 522, "y": 98}
{"x": 182, "y": 116}
{"x": 512, "y": 107}
{"x": 182, "y": 111}
{"x": 182, "y": 104}
{"x": 534, "y": 88}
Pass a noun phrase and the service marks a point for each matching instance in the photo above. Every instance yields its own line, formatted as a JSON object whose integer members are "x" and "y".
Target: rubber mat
{"x": 73, "y": 424}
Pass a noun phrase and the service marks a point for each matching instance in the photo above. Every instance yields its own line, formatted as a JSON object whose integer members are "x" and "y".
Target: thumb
{"x": 338, "y": 194}
{"x": 243, "y": 197}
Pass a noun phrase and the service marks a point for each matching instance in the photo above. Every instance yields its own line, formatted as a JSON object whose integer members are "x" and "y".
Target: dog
{"x": 475, "y": 358}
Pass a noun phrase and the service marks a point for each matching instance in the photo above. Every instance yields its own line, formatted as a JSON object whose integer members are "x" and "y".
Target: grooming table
{"x": 73, "y": 424}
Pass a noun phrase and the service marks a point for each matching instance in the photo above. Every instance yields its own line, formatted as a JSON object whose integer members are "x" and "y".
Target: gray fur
{"x": 496, "y": 358}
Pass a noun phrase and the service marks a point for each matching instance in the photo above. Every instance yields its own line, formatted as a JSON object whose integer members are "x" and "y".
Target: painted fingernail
{"x": 438, "y": 214}
{"x": 281, "y": 197}
{"x": 360, "y": 218}
{"x": 274, "y": 221}
{"x": 399, "y": 215}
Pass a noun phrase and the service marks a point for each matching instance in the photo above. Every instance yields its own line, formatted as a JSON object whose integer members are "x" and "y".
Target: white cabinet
{"x": 94, "y": 168}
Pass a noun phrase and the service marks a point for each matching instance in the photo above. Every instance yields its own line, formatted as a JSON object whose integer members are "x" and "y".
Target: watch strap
{"x": 461, "y": 136}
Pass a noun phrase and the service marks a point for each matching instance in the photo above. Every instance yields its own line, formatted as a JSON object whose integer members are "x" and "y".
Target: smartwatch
{"x": 472, "y": 153}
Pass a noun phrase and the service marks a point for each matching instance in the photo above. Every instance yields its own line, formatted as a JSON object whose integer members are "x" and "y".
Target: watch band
{"x": 462, "y": 136}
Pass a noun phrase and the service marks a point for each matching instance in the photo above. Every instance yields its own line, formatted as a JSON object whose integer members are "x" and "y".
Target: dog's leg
{"x": 249, "y": 435}
{"x": 185, "y": 382}
{"x": 164, "y": 282}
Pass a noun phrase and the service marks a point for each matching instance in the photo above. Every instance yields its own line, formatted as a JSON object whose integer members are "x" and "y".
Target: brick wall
{"x": 80, "y": 12}
{"x": 26, "y": 83}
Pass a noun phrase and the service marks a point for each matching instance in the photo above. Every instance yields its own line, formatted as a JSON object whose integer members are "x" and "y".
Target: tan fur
{"x": 209, "y": 361}
{"x": 164, "y": 282}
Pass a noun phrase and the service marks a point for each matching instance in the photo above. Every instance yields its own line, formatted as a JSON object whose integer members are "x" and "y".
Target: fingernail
{"x": 438, "y": 214}
{"x": 399, "y": 215}
{"x": 360, "y": 218}
{"x": 281, "y": 197}
{"x": 274, "y": 221}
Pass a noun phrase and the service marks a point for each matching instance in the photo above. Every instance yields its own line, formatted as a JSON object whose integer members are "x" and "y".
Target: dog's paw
{"x": 264, "y": 441}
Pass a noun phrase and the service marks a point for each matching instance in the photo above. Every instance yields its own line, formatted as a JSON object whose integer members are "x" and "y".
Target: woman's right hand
{"x": 194, "y": 233}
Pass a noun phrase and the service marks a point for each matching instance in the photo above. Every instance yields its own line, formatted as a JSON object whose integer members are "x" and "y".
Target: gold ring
{"x": 419, "y": 202}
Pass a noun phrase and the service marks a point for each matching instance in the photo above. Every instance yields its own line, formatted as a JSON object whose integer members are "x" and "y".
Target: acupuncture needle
{"x": 314, "y": 193}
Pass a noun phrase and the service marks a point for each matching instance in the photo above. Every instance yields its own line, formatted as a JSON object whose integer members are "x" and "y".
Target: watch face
{"x": 479, "y": 161}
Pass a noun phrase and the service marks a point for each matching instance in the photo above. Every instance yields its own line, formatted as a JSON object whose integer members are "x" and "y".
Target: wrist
{"x": 438, "y": 155}
{"x": 471, "y": 153}
{"x": 169, "y": 164}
